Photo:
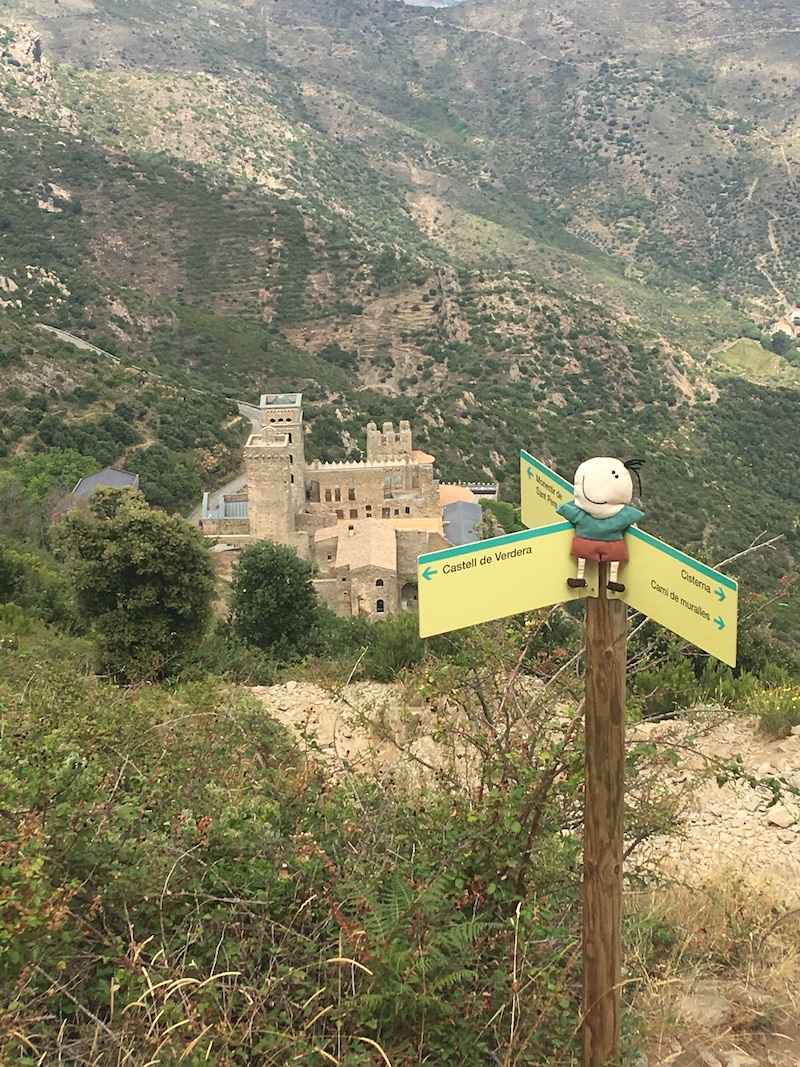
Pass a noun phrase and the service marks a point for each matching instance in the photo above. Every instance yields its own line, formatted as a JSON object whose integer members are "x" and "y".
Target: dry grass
{"x": 723, "y": 939}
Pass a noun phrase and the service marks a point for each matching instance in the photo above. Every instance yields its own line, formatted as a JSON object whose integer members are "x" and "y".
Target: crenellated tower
{"x": 387, "y": 445}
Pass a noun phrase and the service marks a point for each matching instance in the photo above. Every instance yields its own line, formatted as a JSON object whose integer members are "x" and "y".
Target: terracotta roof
{"x": 449, "y": 494}
{"x": 362, "y": 543}
{"x": 428, "y": 525}
{"x": 422, "y": 457}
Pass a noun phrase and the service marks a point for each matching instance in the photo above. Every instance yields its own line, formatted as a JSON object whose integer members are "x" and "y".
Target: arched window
{"x": 379, "y": 608}
{"x": 379, "y": 583}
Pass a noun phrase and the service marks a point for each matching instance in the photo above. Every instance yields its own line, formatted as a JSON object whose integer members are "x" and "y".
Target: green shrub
{"x": 666, "y": 690}
{"x": 143, "y": 582}
{"x": 778, "y": 710}
{"x": 394, "y": 646}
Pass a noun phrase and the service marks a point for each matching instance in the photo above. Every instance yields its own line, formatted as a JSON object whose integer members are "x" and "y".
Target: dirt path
{"x": 732, "y": 827}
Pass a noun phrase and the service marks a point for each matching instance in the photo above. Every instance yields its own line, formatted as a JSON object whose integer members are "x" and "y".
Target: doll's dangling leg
{"x": 580, "y": 581}
{"x": 613, "y": 584}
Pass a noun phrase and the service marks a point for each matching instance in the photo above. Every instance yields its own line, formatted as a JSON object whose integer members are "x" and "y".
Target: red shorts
{"x": 603, "y": 551}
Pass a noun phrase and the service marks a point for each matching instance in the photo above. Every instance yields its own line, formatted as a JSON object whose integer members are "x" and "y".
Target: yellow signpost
{"x": 508, "y": 575}
{"x": 689, "y": 598}
{"x": 502, "y": 576}
{"x": 541, "y": 492}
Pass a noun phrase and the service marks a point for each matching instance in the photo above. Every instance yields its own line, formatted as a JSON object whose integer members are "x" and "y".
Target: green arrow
{"x": 530, "y": 472}
{"x": 428, "y": 573}
{"x": 720, "y": 594}
{"x": 720, "y": 623}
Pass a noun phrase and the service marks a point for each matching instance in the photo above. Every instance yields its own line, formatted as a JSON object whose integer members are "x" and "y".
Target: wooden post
{"x": 606, "y": 650}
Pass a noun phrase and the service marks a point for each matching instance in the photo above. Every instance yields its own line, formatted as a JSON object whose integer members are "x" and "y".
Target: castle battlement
{"x": 354, "y": 464}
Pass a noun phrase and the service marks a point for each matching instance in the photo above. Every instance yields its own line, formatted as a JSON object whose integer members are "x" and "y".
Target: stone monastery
{"x": 362, "y": 524}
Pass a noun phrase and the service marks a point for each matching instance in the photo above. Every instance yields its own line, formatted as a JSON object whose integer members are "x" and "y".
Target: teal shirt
{"x": 593, "y": 529}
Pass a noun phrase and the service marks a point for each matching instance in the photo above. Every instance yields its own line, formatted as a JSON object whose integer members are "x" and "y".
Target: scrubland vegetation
{"x": 181, "y": 884}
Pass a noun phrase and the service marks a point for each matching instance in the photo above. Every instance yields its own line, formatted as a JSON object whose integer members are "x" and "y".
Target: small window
{"x": 387, "y": 481}
{"x": 385, "y": 513}
{"x": 351, "y": 494}
{"x": 354, "y": 513}
{"x": 351, "y": 481}
{"x": 290, "y": 441}
{"x": 330, "y": 558}
{"x": 291, "y": 458}
{"x": 339, "y": 513}
{"x": 408, "y": 511}
{"x": 398, "y": 479}
{"x": 327, "y": 496}
{"x": 379, "y": 583}
{"x": 337, "y": 495}
{"x": 397, "y": 513}
{"x": 379, "y": 608}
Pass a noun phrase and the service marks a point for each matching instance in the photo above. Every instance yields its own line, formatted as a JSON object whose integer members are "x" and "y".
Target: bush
{"x": 665, "y": 691}
{"x": 778, "y": 710}
{"x": 273, "y": 603}
{"x": 180, "y": 874}
{"x": 395, "y": 645}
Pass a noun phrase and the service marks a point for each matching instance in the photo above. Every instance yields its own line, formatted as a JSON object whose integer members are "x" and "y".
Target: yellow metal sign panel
{"x": 686, "y": 596}
{"x": 541, "y": 492}
{"x": 503, "y": 576}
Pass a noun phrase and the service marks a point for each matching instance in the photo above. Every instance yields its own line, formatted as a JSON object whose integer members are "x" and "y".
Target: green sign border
{"x": 494, "y": 542}
{"x": 689, "y": 561}
{"x": 546, "y": 471}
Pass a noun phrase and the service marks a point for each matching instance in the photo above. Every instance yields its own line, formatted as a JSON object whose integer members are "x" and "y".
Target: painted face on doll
{"x": 603, "y": 486}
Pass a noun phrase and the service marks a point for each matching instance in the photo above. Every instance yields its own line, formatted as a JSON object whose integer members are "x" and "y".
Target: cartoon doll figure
{"x": 601, "y": 512}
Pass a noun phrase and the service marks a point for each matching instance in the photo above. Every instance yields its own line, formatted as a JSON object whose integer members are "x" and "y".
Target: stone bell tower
{"x": 275, "y": 463}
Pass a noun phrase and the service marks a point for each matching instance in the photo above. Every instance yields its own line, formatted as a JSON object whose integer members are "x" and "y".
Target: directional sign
{"x": 503, "y": 576}
{"x": 686, "y": 596}
{"x": 541, "y": 490}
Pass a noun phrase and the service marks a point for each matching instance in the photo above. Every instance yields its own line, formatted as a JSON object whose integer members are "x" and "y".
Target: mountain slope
{"x": 412, "y": 214}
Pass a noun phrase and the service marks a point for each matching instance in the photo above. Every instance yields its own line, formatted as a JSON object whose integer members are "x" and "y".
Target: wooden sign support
{"x": 469, "y": 584}
{"x": 606, "y": 655}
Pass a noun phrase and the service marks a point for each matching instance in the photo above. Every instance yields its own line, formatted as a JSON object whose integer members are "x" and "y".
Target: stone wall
{"x": 225, "y": 527}
{"x": 414, "y": 543}
{"x": 373, "y": 592}
{"x": 403, "y": 489}
{"x": 270, "y": 488}
{"x": 386, "y": 445}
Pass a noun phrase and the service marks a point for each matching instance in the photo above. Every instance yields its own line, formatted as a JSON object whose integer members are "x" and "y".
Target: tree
{"x": 782, "y": 343}
{"x": 143, "y": 582}
{"x": 273, "y": 603}
{"x": 41, "y": 473}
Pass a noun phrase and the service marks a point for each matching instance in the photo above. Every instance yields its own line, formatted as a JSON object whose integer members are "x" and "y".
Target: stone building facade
{"x": 362, "y": 524}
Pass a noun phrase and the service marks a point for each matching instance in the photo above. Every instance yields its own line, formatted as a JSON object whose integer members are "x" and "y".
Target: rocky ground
{"x": 737, "y": 827}
{"x": 737, "y": 863}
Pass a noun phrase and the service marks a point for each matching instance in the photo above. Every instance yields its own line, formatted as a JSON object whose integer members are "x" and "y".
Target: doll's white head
{"x": 603, "y": 486}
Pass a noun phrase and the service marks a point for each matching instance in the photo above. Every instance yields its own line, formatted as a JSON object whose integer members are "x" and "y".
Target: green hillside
{"x": 455, "y": 216}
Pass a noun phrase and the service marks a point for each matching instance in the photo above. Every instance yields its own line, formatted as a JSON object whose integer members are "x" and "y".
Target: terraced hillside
{"x": 456, "y": 216}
